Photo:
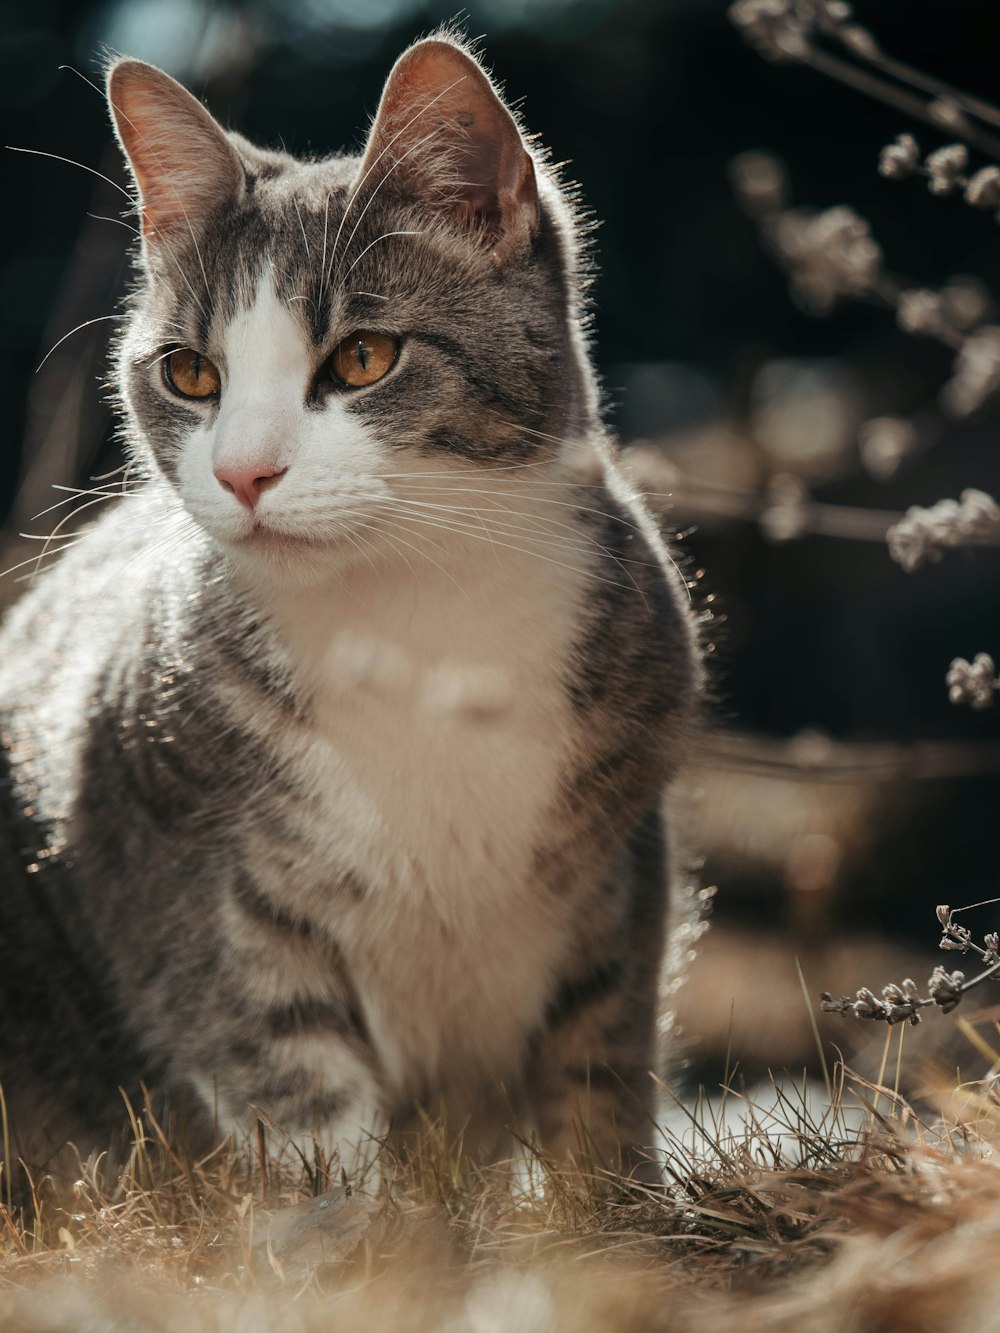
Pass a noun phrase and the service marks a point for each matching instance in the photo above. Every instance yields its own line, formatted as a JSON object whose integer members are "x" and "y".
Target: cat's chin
{"x": 270, "y": 556}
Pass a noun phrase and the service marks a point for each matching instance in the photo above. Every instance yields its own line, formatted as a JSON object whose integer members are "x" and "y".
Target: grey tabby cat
{"x": 333, "y": 756}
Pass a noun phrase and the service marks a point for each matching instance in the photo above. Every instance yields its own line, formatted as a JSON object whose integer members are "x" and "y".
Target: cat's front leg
{"x": 591, "y": 1077}
{"x": 591, "y": 1086}
{"x": 313, "y": 1096}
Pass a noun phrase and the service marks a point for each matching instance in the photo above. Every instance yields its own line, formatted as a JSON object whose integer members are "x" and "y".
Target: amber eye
{"x": 190, "y": 374}
{"x": 363, "y": 358}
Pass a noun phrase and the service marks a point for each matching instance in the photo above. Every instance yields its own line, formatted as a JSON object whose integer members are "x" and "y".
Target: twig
{"x": 903, "y": 1003}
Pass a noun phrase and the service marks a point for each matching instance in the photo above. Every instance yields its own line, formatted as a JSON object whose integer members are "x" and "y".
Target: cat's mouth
{"x": 263, "y": 537}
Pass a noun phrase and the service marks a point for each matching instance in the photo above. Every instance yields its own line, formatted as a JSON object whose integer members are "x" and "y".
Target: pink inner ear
{"x": 184, "y": 166}
{"x": 440, "y": 113}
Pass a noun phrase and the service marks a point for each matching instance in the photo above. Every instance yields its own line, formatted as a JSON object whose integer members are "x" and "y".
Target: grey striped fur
{"x": 257, "y": 853}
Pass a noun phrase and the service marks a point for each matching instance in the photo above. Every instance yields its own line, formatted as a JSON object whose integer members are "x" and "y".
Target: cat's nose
{"x": 248, "y": 483}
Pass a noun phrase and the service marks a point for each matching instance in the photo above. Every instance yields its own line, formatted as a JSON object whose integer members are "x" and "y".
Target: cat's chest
{"x": 439, "y": 718}
{"x": 439, "y": 738}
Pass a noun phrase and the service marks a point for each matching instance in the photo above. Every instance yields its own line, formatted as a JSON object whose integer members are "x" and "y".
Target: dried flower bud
{"x": 980, "y": 512}
{"x": 949, "y": 115}
{"x": 919, "y": 311}
{"x": 945, "y": 988}
{"x": 974, "y": 683}
{"x": 950, "y": 946}
{"x": 786, "y": 515}
{"x": 943, "y": 913}
{"x": 945, "y": 167}
{"x": 965, "y": 302}
{"x": 867, "y": 1004}
{"x": 959, "y": 937}
{"x": 828, "y": 254}
{"x": 977, "y": 372}
{"x": 774, "y": 28}
{"x": 899, "y": 159}
{"x": 883, "y": 443}
{"x": 901, "y": 1002}
{"x": 760, "y": 182}
{"x": 828, "y": 15}
{"x": 983, "y": 190}
{"x": 859, "y": 41}
{"x": 923, "y": 535}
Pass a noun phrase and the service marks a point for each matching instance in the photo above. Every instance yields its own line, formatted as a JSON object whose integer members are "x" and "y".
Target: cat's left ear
{"x": 184, "y": 166}
{"x": 443, "y": 133}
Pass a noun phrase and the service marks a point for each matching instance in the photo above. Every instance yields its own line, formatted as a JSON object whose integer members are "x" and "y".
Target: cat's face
{"x": 326, "y": 358}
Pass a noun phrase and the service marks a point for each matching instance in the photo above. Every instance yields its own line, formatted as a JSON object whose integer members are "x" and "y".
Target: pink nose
{"x": 248, "y": 483}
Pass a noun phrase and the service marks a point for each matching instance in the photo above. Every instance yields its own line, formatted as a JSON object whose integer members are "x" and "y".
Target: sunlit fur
{"x": 348, "y": 800}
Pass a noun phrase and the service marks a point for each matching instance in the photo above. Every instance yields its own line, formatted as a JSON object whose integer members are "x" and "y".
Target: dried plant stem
{"x": 937, "y": 88}
{"x": 908, "y": 103}
{"x": 820, "y": 759}
{"x": 695, "y": 497}
{"x": 903, "y": 1003}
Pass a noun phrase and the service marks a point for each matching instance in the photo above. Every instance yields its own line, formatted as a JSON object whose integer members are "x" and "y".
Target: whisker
{"x": 322, "y": 262}
{"x": 57, "y": 157}
{"x": 384, "y": 237}
{"x": 473, "y": 532}
{"x": 100, "y": 319}
{"x": 72, "y": 69}
{"x": 374, "y": 194}
{"x": 394, "y": 537}
{"x": 578, "y": 539}
{"x": 357, "y": 188}
{"x": 119, "y": 222}
{"x": 71, "y": 540}
{"x": 302, "y": 225}
{"x": 76, "y": 494}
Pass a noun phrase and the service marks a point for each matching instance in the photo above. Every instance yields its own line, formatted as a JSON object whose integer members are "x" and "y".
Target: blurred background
{"x": 841, "y": 795}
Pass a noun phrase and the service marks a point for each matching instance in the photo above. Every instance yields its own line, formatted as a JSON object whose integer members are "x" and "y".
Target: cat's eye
{"x": 363, "y": 357}
{"x": 190, "y": 374}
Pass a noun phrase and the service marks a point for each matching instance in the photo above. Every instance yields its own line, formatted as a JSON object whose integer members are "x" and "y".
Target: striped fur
{"x": 350, "y": 804}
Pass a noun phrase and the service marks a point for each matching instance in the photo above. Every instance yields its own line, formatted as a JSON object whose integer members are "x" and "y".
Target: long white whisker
{"x": 374, "y": 194}
{"x": 535, "y": 523}
{"x": 109, "y": 493}
{"x": 378, "y": 158}
{"x": 101, "y": 319}
{"x": 384, "y": 237}
{"x": 521, "y": 550}
{"x": 56, "y": 157}
{"x": 35, "y": 559}
{"x": 119, "y": 222}
{"x": 302, "y": 225}
{"x": 322, "y": 262}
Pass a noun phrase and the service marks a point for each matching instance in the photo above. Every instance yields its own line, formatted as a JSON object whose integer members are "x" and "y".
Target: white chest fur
{"x": 442, "y": 729}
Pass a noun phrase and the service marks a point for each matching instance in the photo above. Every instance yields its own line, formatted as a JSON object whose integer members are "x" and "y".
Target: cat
{"x": 334, "y": 754}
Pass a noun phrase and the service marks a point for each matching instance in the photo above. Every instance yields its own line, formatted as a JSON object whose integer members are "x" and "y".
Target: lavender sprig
{"x": 903, "y": 1003}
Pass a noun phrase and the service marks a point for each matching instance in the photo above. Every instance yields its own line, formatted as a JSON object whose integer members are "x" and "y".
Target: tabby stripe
{"x": 309, "y": 1016}
{"x": 259, "y": 906}
{"x": 572, "y": 996}
{"x": 490, "y": 390}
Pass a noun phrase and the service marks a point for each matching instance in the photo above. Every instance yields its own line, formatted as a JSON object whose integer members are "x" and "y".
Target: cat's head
{"x": 318, "y": 349}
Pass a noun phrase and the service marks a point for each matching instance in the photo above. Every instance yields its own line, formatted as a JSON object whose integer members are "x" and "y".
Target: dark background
{"x": 649, "y": 101}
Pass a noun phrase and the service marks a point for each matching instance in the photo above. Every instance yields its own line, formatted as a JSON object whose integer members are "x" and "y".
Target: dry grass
{"x": 793, "y": 1222}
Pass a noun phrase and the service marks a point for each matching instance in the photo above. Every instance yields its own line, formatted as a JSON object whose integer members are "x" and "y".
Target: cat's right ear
{"x": 184, "y": 167}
